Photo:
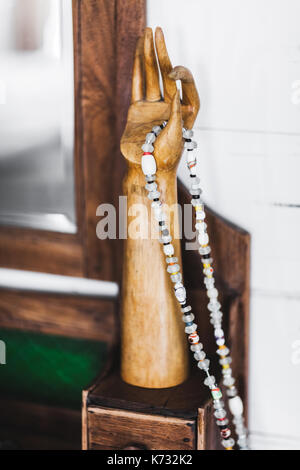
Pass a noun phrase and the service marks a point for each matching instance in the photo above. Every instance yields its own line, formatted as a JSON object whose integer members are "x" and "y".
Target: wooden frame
{"x": 105, "y": 33}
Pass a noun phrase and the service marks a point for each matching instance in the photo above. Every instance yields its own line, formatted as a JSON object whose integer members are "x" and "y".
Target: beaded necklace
{"x": 234, "y": 401}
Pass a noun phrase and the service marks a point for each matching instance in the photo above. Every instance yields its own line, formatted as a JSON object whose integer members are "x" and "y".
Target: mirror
{"x": 37, "y": 115}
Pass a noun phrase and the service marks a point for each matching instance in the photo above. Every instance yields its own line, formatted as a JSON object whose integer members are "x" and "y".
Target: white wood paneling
{"x": 245, "y": 57}
{"x": 275, "y": 366}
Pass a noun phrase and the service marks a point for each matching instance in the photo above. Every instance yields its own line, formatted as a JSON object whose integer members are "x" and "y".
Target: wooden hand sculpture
{"x": 154, "y": 349}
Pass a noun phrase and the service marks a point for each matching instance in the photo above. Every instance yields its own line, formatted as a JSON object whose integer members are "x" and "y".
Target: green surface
{"x": 49, "y": 369}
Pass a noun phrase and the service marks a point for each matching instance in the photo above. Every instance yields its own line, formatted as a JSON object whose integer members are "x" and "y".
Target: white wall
{"x": 245, "y": 57}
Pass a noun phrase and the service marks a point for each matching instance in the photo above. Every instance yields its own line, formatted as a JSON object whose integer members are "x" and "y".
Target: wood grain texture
{"x": 84, "y": 418}
{"x": 36, "y": 426}
{"x": 115, "y": 429}
{"x": 76, "y": 317}
{"x": 151, "y": 315}
{"x": 106, "y": 56}
{"x": 41, "y": 251}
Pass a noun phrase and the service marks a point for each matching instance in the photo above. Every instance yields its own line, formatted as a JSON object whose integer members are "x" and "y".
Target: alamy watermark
{"x": 139, "y": 222}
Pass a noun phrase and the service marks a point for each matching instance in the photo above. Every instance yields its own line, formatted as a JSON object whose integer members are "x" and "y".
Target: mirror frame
{"x": 105, "y": 34}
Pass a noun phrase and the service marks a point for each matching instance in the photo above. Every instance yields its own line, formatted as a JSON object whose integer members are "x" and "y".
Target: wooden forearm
{"x": 154, "y": 348}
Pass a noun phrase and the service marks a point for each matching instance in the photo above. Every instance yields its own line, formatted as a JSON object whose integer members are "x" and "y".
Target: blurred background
{"x": 245, "y": 57}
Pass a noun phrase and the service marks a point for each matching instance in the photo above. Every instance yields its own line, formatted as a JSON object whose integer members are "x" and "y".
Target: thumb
{"x": 169, "y": 143}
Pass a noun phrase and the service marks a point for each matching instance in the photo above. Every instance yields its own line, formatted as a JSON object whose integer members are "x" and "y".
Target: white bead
{"x": 199, "y": 356}
{"x": 201, "y": 227}
{"x": 227, "y": 371}
{"x": 179, "y": 285}
{"x": 236, "y": 406}
{"x": 228, "y": 381}
{"x": 204, "y": 250}
{"x": 176, "y": 277}
{"x": 173, "y": 269}
{"x": 195, "y": 182}
{"x": 169, "y": 250}
{"x": 203, "y": 238}
{"x": 220, "y": 414}
{"x": 150, "y": 138}
{"x": 220, "y": 341}
{"x": 196, "y": 203}
{"x": 196, "y": 347}
{"x": 190, "y": 157}
{"x": 219, "y": 333}
{"x": 223, "y": 351}
{"x": 228, "y": 442}
{"x": 209, "y": 282}
{"x": 187, "y": 133}
{"x": 151, "y": 186}
{"x": 190, "y": 145}
{"x": 225, "y": 360}
{"x": 203, "y": 364}
{"x": 154, "y": 195}
{"x": 147, "y": 148}
{"x": 156, "y": 129}
{"x": 159, "y": 215}
{"x": 166, "y": 239}
{"x": 218, "y": 404}
{"x": 208, "y": 271}
{"x": 190, "y": 329}
{"x": 186, "y": 309}
{"x": 212, "y": 293}
{"x": 156, "y": 204}
{"x": 148, "y": 165}
{"x": 213, "y": 306}
{"x": 180, "y": 294}
{"x": 171, "y": 260}
{"x": 200, "y": 215}
{"x": 210, "y": 381}
{"x": 231, "y": 392}
{"x": 188, "y": 318}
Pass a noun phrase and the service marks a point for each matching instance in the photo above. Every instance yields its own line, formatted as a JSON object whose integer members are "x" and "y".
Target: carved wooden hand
{"x": 149, "y": 108}
{"x": 154, "y": 346}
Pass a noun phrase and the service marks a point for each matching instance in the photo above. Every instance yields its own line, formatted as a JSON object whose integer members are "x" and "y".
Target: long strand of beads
{"x": 173, "y": 268}
{"x": 234, "y": 401}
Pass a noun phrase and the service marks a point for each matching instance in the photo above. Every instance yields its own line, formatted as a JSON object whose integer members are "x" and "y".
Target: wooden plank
{"x": 107, "y": 31}
{"x": 40, "y": 251}
{"x": 118, "y": 429}
{"x": 37, "y": 426}
{"x": 77, "y": 317}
